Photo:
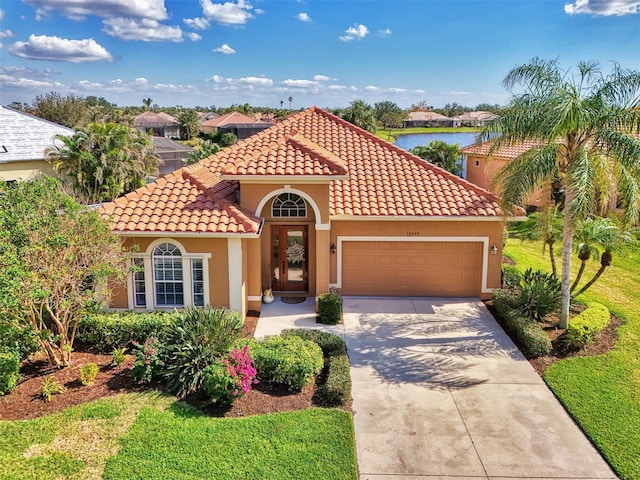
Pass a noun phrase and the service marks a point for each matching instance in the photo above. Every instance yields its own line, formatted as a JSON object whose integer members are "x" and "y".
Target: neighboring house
{"x": 204, "y": 116}
{"x": 310, "y": 204}
{"x": 475, "y": 119}
{"x": 157, "y": 124}
{"x": 23, "y": 141}
{"x": 482, "y": 167}
{"x": 171, "y": 154}
{"x": 428, "y": 119}
{"x": 237, "y": 123}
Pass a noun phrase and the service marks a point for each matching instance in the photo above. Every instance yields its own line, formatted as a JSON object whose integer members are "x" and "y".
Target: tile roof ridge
{"x": 246, "y": 218}
{"x": 191, "y": 175}
{"x": 328, "y": 158}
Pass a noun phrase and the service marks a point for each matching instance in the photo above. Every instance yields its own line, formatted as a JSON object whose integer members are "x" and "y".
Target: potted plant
{"x": 267, "y": 296}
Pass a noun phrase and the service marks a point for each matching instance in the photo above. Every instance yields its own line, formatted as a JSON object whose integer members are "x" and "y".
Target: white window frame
{"x": 187, "y": 281}
{"x": 281, "y": 208}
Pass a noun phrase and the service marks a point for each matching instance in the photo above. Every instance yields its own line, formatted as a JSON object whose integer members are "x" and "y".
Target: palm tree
{"x": 147, "y": 103}
{"x": 442, "y": 154}
{"x": 103, "y": 161}
{"x": 361, "y": 114}
{"x": 583, "y": 123}
{"x": 290, "y": 100}
{"x": 281, "y": 103}
{"x": 600, "y": 233}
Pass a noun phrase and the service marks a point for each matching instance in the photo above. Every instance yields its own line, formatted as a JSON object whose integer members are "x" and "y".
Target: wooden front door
{"x": 289, "y": 258}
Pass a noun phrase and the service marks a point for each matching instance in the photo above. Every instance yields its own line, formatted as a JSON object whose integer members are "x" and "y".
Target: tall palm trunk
{"x": 552, "y": 258}
{"x": 567, "y": 238}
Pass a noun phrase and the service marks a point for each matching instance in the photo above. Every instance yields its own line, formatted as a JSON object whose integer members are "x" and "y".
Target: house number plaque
{"x": 413, "y": 234}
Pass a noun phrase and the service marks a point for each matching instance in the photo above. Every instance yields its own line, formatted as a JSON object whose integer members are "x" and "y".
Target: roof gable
{"x": 382, "y": 180}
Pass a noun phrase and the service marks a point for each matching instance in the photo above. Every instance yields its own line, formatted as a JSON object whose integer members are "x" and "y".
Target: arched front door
{"x": 289, "y": 258}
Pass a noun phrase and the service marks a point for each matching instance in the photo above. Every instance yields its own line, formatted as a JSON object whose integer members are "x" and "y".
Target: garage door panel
{"x": 411, "y": 268}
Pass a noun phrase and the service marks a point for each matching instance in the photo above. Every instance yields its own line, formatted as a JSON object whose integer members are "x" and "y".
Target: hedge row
{"x": 532, "y": 340}
{"x": 584, "y": 327}
{"x": 108, "y": 331}
{"x": 336, "y": 390}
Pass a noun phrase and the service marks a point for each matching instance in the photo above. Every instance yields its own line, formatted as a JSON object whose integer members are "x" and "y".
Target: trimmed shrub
{"x": 197, "y": 338}
{"x": 229, "y": 378}
{"x": 108, "y": 331}
{"x": 118, "y": 356}
{"x": 527, "y": 333}
{"x": 9, "y": 371}
{"x": 337, "y": 388}
{"x": 330, "y": 308}
{"x": 88, "y": 373}
{"x": 147, "y": 363}
{"x": 18, "y": 338}
{"x": 289, "y": 361}
{"x": 584, "y": 326}
{"x": 331, "y": 344}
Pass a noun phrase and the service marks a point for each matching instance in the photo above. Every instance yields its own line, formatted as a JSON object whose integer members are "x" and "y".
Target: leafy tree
{"x": 228, "y": 139}
{"x": 53, "y": 255}
{"x": 442, "y": 154}
{"x": 204, "y": 150}
{"x": 71, "y": 111}
{"x": 389, "y": 114}
{"x": 104, "y": 161}
{"x": 189, "y": 123}
{"x": 452, "y": 109}
{"x": 487, "y": 107}
{"x": 582, "y": 123}
{"x": 421, "y": 106}
{"x": 361, "y": 114}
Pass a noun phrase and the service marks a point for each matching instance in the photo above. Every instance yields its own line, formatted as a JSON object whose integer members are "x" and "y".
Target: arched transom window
{"x": 289, "y": 205}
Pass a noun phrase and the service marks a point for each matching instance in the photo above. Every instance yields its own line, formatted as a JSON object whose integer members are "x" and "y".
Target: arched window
{"x": 289, "y": 205}
{"x": 167, "y": 276}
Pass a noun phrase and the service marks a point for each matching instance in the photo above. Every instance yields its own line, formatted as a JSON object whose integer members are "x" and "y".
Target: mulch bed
{"x": 25, "y": 402}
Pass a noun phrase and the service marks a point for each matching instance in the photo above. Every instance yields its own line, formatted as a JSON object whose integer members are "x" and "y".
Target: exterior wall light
{"x": 333, "y": 248}
{"x": 494, "y": 249}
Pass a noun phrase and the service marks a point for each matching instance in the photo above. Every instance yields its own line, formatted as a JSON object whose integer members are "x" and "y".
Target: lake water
{"x": 407, "y": 142}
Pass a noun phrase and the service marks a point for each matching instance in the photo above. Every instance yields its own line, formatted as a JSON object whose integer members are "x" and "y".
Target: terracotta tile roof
{"x": 173, "y": 204}
{"x": 152, "y": 119}
{"x": 233, "y": 117}
{"x": 426, "y": 116}
{"x": 507, "y": 151}
{"x": 368, "y": 177}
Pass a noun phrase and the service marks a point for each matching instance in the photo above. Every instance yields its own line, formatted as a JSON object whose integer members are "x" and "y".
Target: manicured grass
{"x": 181, "y": 444}
{"x": 397, "y": 132}
{"x": 152, "y": 436}
{"x": 602, "y": 393}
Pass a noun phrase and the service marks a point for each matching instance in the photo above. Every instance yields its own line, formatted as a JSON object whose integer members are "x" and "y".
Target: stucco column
{"x": 236, "y": 285}
{"x": 254, "y": 268}
{"x": 322, "y": 259}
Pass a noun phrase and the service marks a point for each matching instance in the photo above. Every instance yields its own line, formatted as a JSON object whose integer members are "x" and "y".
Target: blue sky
{"x": 319, "y": 52}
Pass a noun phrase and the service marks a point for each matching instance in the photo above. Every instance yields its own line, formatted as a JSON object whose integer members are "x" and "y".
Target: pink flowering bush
{"x": 230, "y": 377}
{"x": 147, "y": 363}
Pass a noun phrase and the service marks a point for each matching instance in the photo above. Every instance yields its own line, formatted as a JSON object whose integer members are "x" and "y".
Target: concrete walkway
{"x": 441, "y": 392}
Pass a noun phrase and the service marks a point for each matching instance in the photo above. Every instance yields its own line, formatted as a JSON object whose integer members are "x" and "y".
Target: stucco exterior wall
{"x": 24, "y": 170}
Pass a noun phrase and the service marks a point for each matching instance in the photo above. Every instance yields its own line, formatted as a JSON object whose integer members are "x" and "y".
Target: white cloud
{"x": 303, "y": 17}
{"x": 144, "y": 30}
{"x": 141, "y": 82}
{"x": 224, "y": 49}
{"x": 8, "y": 81}
{"x": 256, "y": 81}
{"x": 227, "y": 13}
{"x": 372, "y": 88}
{"x": 5, "y": 34}
{"x": 603, "y": 7}
{"x": 322, "y": 78}
{"x": 357, "y": 32}
{"x": 299, "y": 83}
{"x": 42, "y": 47}
{"x": 79, "y": 9}
{"x": 385, "y": 32}
{"x": 198, "y": 23}
{"x": 193, "y": 36}
{"x": 1, "y": 14}
{"x": 337, "y": 87}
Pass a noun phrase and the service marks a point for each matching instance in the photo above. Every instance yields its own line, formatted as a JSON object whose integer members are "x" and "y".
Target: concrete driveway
{"x": 440, "y": 391}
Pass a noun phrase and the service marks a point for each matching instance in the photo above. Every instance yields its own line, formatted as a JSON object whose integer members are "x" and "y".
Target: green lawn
{"x": 603, "y": 393}
{"x": 397, "y": 132}
{"x": 150, "y": 436}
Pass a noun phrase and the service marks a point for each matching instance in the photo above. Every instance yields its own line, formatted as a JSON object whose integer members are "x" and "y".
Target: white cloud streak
{"x": 227, "y": 13}
{"x": 42, "y": 47}
{"x": 303, "y": 17}
{"x": 224, "y": 49}
{"x": 357, "y": 32}
{"x": 603, "y": 7}
{"x": 79, "y": 9}
{"x": 143, "y": 30}
{"x": 198, "y": 23}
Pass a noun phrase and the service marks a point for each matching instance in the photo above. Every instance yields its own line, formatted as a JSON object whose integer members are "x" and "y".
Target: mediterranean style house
{"x": 311, "y": 204}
